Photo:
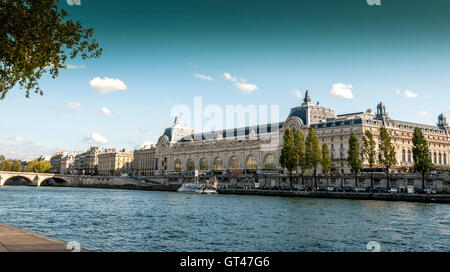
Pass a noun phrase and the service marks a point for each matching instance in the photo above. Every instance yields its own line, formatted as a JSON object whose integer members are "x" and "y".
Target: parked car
{"x": 348, "y": 189}
{"x": 322, "y": 188}
{"x": 300, "y": 187}
{"x": 429, "y": 191}
{"x": 331, "y": 189}
{"x": 340, "y": 189}
{"x": 393, "y": 190}
{"x": 360, "y": 189}
{"x": 420, "y": 191}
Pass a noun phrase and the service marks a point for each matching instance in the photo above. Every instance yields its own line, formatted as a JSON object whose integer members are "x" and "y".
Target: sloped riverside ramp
{"x": 14, "y": 239}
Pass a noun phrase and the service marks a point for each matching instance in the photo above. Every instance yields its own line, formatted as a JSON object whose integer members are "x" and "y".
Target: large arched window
{"x": 440, "y": 158}
{"x": 403, "y": 155}
{"x": 435, "y": 158}
{"x": 218, "y": 164}
{"x": 409, "y": 156}
{"x": 234, "y": 163}
{"x": 269, "y": 162}
{"x": 203, "y": 164}
{"x": 190, "y": 166}
{"x": 251, "y": 163}
{"x": 177, "y": 165}
{"x": 445, "y": 159}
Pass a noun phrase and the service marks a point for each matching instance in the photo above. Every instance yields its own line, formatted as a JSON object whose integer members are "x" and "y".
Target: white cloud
{"x": 96, "y": 138}
{"x": 342, "y": 90}
{"x": 73, "y": 106}
{"x": 423, "y": 113}
{"x": 25, "y": 151}
{"x": 245, "y": 88}
{"x": 107, "y": 85}
{"x": 408, "y": 93}
{"x": 298, "y": 94}
{"x": 106, "y": 112}
{"x": 72, "y": 66}
{"x": 19, "y": 139}
{"x": 142, "y": 144}
{"x": 142, "y": 129}
{"x": 203, "y": 77}
{"x": 411, "y": 94}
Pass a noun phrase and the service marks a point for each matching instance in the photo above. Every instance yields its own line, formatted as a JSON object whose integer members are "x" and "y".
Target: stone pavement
{"x": 14, "y": 239}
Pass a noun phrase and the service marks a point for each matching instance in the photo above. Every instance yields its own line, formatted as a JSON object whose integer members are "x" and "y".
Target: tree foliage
{"x": 326, "y": 163}
{"x": 36, "y": 38}
{"x": 354, "y": 158}
{"x": 313, "y": 153}
{"x": 39, "y": 167}
{"x": 288, "y": 157}
{"x": 421, "y": 154}
{"x": 386, "y": 155}
{"x": 369, "y": 152}
{"x": 11, "y": 165}
{"x": 299, "y": 142}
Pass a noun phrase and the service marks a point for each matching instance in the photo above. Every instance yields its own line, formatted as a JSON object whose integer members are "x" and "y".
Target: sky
{"x": 158, "y": 55}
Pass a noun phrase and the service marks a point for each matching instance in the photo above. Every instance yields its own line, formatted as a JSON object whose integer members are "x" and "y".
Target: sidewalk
{"x": 14, "y": 239}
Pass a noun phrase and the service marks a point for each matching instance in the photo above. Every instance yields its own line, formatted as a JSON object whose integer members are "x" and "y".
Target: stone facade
{"x": 86, "y": 163}
{"x": 144, "y": 161}
{"x": 257, "y": 149}
{"x": 115, "y": 163}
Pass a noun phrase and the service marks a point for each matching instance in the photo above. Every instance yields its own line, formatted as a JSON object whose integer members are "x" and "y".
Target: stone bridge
{"x": 36, "y": 179}
{"x": 32, "y": 179}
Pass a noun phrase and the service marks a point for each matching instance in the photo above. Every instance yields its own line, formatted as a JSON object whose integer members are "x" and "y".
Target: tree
{"x": 299, "y": 141}
{"x": 39, "y": 167}
{"x": 2, "y": 159}
{"x": 313, "y": 154}
{"x": 11, "y": 165}
{"x": 326, "y": 161}
{"x": 421, "y": 154}
{"x": 354, "y": 157}
{"x": 35, "y": 38}
{"x": 369, "y": 152}
{"x": 386, "y": 155}
{"x": 288, "y": 157}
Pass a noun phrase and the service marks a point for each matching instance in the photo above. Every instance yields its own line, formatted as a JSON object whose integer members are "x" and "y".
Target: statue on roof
{"x": 307, "y": 99}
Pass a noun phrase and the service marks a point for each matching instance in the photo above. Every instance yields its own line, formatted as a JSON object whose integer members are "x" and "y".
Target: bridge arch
{"x": 53, "y": 181}
{"x": 13, "y": 179}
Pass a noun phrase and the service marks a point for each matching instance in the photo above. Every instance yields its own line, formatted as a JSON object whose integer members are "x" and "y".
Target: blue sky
{"x": 398, "y": 53}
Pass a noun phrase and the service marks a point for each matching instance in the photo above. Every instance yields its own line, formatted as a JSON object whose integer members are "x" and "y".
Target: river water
{"x": 126, "y": 220}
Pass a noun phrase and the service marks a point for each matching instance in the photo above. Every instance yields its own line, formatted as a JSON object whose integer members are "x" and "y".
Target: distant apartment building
{"x": 144, "y": 161}
{"x": 55, "y": 161}
{"x": 86, "y": 163}
{"x": 115, "y": 163}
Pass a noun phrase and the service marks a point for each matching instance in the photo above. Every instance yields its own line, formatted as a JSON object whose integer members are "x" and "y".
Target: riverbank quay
{"x": 13, "y": 239}
{"x": 435, "y": 198}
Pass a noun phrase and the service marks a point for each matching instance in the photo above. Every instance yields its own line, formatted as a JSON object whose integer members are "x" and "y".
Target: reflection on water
{"x": 121, "y": 220}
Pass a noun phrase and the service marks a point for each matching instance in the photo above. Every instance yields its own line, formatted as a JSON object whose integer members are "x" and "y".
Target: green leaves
{"x": 39, "y": 167}
{"x": 289, "y": 156}
{"x": 421, "y": 153}
{"x": 326, "y": 163}
{"x": 354, "y": 157}
{"x": 369, "y": 147}
{"x": 35, "y": 38}
{"x": 313, "y": 153}
{"x": 11, "y": 165}
{"x": 386, "y": 155}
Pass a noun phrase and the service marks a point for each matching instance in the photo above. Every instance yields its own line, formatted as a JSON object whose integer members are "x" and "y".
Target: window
{"x": 269, "y": 162}
{"x": 203, "y": 165}
{"x": 234, "y": 163}
{"x": 251, "y": 163}
{"x": 409, "y": 156}
{"x": 445, "y": 159}
{"x": 440, "y": 158}
{"x": 403, "y": 155}
{"x": 177, "y": 166}
{"x": 190, "y": 165}
{"x": 435, "y": 158}
{"x": 218, "y": 164}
